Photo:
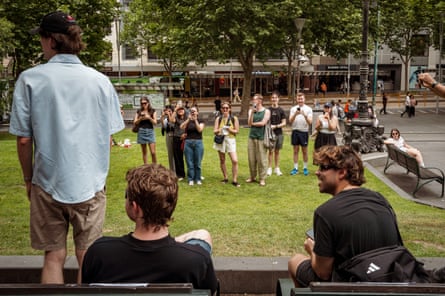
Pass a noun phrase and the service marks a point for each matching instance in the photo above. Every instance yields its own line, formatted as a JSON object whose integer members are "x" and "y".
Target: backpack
{"x": 386, "y": 264}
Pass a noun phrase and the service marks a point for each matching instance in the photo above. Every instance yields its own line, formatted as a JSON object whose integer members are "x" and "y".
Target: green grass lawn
{"x": 246, "y": 221}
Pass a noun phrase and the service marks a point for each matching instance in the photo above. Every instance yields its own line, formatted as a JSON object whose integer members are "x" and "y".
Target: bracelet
{"x": 434, "y": 84}
{"x": 27, "y": 179}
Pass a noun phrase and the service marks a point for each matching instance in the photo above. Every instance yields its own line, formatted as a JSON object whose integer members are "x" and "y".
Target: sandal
{"x": 250, "y": 180}
{"x": 224, "y": 181}
{"x": 236, "y": 184}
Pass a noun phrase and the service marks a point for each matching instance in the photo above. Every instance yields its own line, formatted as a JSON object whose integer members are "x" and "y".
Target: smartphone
{"x": 310, "y": 233}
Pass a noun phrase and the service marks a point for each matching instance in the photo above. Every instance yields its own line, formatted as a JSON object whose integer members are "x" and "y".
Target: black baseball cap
{"x": 55, "y": 22}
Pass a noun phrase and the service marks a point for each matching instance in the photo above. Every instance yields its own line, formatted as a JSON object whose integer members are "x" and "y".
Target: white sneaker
{"x": 202, "y": 178}
{"x": 190, "y": 183}
{"x": 198, "y": 183}
{"x": 269, "y": 172}
{"x": 278, "y": 172}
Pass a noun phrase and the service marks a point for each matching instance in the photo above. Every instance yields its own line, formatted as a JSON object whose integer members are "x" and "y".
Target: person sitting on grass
{"x": 149, "y": 254}
{"x": 397, "y": 140}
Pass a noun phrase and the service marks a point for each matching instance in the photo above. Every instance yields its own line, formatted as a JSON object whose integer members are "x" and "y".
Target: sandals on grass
{"x": 236, "y": 184}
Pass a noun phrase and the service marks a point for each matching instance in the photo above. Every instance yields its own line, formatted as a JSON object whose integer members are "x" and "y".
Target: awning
{"x": 330, "y": 73}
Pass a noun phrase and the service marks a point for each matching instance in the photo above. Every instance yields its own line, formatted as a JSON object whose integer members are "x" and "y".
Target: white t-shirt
{"x": 300, "y": 123}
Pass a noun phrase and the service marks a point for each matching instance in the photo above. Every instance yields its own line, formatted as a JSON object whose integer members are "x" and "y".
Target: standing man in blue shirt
{"x": 63, "y": 115}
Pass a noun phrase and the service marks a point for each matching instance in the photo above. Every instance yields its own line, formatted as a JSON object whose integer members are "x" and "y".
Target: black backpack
{"x": 386, "y": 264}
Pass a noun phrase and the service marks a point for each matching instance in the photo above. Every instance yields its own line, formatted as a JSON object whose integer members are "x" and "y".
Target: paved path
{"x": 425, "y": 131}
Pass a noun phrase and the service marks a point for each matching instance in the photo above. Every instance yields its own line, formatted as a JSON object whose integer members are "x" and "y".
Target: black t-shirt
{"x": 352, "y": 222}
{"x": 276, "y": 116}
{"x": 129, "y": 260}
{"x": 192, "y": 132}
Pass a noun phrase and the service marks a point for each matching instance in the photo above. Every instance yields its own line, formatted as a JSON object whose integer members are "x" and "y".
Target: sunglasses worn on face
{"x": 225, "y": 108}
{"x": 144, "y": 103}
{"x": 326, "y": 167}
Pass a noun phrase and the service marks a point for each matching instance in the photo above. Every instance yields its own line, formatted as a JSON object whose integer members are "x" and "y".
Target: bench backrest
{"x": 102, "y": 289}
{"x": 336, "y": 288}
{"x": 403, "y": 159}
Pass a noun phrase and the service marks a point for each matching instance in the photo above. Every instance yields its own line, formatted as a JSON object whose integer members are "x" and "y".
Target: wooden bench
{"x": 285, "y": 287}
{"x": 102, "y": 289}
{"x": 369, "y": 289}
{"x": 424, "y": 175}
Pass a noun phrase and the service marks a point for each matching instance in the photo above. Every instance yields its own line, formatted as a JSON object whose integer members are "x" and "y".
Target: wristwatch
{"x": 434, "y": 84}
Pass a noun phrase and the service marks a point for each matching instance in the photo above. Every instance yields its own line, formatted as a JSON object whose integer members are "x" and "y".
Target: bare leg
{"x": 153, "y": 152}
{"x": 277, "y": 158}
{"x": 270, "y": 158}
{"x": 201, "y": 234}
{"x": 417, "y": 155}
{"x": 234, "y": 158}
{"x": 80, "y": 254}
{"x": 52, "y": 272}
{"x": 144, "y": 153}
{"x": 222, "y": 164}
{"x": 305, "y": 154}
{"x": 296, "y": 151}
{"x": 293, "y": 264}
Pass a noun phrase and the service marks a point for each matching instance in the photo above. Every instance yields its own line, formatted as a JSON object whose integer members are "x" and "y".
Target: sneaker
{"x": 190, "y": 183}
{"x": 180, "y": 179}
{"x": 198, "y": 183}
{"x": 278, "y": 172}
{"x": 305, "y": 172}
{"x": 202, "y": 178}
{"x": 269, "y": 172}
{"x": 294, "y": 171}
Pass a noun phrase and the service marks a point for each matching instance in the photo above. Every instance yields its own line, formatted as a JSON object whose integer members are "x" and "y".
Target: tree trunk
{"x": 246, "y": 60}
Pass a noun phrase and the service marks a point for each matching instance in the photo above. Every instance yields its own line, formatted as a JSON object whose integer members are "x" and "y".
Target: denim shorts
{"x": 205, "y": 245}
{"x": 146, "y": 136}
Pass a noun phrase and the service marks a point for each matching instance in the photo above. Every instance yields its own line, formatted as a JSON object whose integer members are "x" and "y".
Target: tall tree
{"x": 146, "y": 27}
{"x": 94, "y": 16}
{"x": 401, "y": 24}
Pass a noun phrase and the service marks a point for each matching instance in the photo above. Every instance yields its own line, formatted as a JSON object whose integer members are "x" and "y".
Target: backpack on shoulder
{"x": 386, "y": 264}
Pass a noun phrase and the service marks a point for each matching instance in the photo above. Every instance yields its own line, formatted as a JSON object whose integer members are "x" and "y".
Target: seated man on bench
{"x": 353, "y": 221}
{"x": 150, "y": 254}
{"x": 397, "y": 140}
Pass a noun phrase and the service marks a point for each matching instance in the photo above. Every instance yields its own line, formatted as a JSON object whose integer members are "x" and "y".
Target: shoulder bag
{"x": 269, "y": 136}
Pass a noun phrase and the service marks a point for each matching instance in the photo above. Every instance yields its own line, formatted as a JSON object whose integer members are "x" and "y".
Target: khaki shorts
{"x": 50, "y": 219}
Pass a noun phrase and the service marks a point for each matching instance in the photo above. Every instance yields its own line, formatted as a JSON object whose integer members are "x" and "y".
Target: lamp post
{"x": 299, "y": 24}
{"x": 442, "y": 14}
{"x": 364, "y": 66}
{"x": 118, "y": 45}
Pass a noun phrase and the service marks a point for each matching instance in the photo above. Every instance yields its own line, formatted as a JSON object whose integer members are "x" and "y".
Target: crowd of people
{"x": 65, "y": 182}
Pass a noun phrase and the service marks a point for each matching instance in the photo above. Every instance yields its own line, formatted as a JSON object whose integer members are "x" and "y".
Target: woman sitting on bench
{"x": 397, "y": 140}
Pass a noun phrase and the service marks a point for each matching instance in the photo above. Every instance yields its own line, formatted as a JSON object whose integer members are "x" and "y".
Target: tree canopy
{"x": 94, "y": 17}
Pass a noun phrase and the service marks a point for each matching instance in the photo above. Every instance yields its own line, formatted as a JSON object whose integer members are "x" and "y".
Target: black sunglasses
{"x": 326, "y": 167}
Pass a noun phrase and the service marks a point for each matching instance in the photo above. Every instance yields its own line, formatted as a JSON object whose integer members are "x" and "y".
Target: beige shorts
{"x": 227, "y": 146}
{"x": 50, "y": 219}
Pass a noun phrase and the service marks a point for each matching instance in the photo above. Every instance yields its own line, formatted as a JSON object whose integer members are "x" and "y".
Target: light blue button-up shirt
{"x": 70, "y": 111}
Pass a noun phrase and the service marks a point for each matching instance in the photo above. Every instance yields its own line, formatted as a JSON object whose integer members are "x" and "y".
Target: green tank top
{"x": 257, "y": 132}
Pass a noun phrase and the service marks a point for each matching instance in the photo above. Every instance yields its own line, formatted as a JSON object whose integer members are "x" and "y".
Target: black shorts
{"x": 299, "y": 138}
{"x": 305, "y": 274}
